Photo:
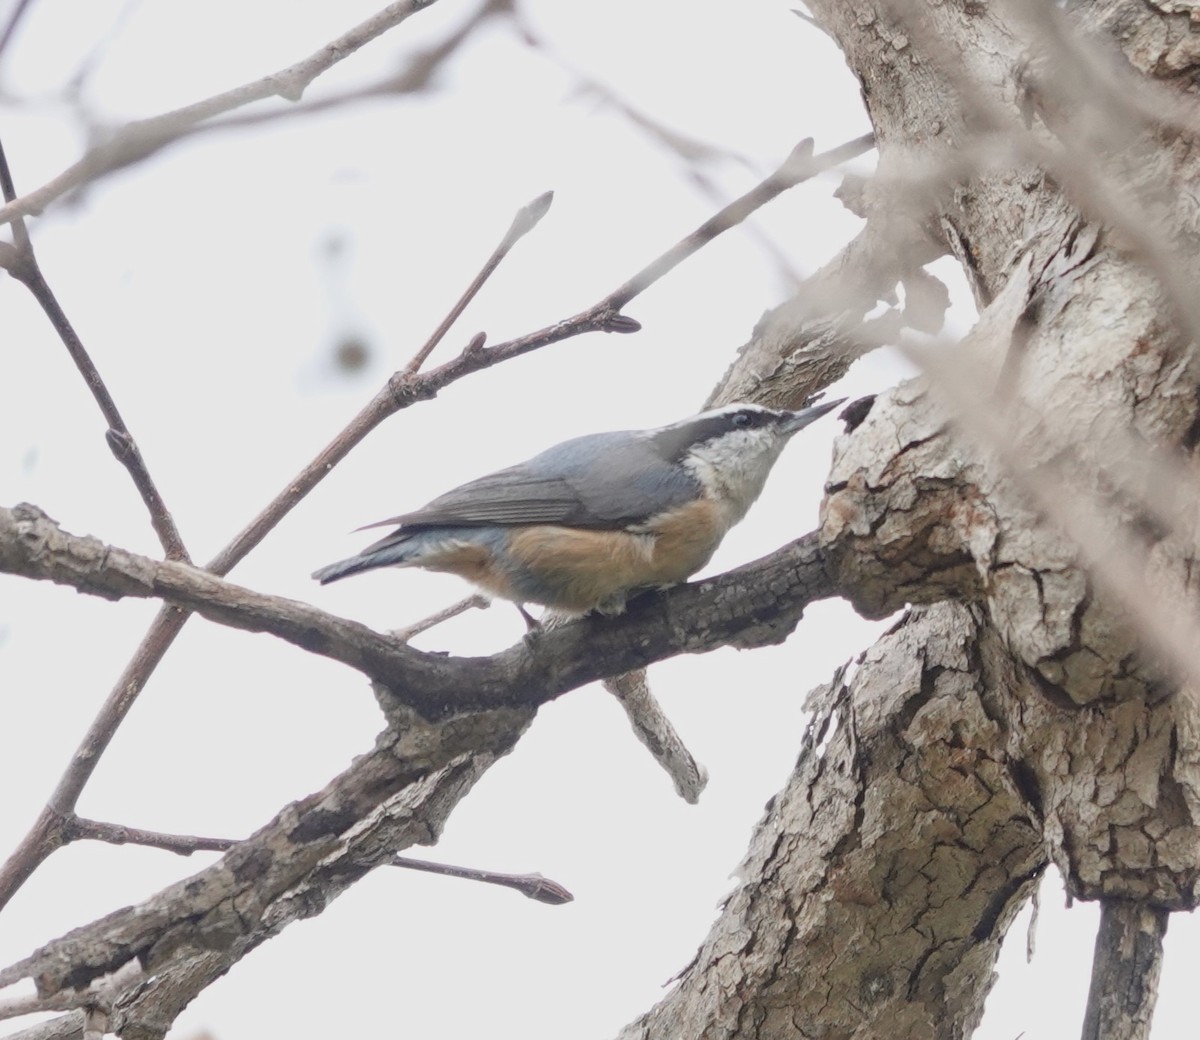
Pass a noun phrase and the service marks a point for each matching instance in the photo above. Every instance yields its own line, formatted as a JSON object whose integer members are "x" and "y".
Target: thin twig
{"x": 532, "y": 886}
{"x": 25, "y": 269}
{"x": 526, "y": 220}
{"x": 80, "y": 828}
{"x": 800, "y": 166}
{"x": 137, "y": 139}
{"x": 475, "y": 602}
{"x": 400, "y": 391}
{"x": 13, "y": 21}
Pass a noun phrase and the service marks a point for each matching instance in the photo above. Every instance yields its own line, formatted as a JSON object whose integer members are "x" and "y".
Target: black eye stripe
{"x": 674, "y": 442}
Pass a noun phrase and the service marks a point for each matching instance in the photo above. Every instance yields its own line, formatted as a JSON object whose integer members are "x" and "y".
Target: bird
{"x": 597, "y": 519}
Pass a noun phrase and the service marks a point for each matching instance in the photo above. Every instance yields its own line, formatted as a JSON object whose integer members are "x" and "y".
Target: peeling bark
{"x": 1074, "y": 396}
{"x": 879, "y": 884}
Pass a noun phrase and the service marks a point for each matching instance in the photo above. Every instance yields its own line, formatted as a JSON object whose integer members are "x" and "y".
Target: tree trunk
{"x": 1037, "y": 485}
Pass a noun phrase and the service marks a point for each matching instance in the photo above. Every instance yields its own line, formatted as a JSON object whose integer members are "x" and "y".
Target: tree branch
{"x": 1125, "y": 971}
{"x": 754, "y": 605}
{"x": 655, "y": 731}
{"x": 400, "y": 391}
{"x": 143, "y": 137}
{"x": 531, "y": 886}
{"x": 192, "y": 932}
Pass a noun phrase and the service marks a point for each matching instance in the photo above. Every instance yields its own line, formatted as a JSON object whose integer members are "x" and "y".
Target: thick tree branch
{"x": 188, "y": 935}
{"x": 755, "y": 605}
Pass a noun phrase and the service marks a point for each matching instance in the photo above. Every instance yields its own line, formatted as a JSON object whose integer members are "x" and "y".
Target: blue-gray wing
{"x": 601, "y": 480}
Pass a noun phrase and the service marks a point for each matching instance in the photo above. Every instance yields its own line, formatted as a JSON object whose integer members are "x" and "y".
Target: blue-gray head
{"x": 731, "y": 450}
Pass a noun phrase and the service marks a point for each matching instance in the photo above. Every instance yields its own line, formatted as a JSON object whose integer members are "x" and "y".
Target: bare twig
{"x": 137, "y": 139}
{"x": 654, "y": 729}
{"x": 531, "y": 886}
{"x": 474, "y": 602}
{"x": 800, "y": 166}
{"x": 526, "y": 220}
{"x": 80, "y": 828}
{"x": 25, "y": 269}
{"x": 13, "y": 21}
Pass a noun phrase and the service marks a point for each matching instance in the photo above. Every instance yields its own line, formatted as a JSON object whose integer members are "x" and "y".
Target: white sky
{"x": 203, "y": 285}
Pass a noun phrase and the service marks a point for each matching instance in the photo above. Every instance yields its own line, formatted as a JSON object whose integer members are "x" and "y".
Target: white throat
{"x": 734, "y": 468}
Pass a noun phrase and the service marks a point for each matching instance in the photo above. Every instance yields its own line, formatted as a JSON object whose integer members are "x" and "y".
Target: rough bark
{"x": 1079, "y": 349}
{"x": 879, "y": 884}
{"x": 755, "y": 605}
{"x": 1037, "y": 466}
{"x": 1125, "y": 971}
{"x": 191, "y": 933}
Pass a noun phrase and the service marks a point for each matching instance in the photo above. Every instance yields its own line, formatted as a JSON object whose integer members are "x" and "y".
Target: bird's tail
{"x": 395, "y": 550}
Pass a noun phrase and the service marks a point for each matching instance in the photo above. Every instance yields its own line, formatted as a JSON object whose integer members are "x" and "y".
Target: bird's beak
{"x": 798, "y": 420}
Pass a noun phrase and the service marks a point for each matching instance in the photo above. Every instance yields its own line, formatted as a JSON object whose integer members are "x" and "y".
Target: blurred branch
{"x": 14, "y": 19}
{"x": 800, "y": 166}
{"x": 143, "y": 137}
{"x": 692, "y": 152}
{"x": 1163, "y": 613}
{"x": 1072, "y": 161}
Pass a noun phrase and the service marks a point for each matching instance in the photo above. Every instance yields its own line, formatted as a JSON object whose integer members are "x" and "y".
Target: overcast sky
{"x": 212, "y": 286}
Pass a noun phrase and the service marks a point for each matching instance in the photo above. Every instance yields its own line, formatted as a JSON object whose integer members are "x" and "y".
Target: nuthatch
{"x": 590, "y": 521}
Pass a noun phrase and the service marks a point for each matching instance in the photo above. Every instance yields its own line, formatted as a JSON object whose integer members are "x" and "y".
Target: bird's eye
{"x": 742, "y": 419}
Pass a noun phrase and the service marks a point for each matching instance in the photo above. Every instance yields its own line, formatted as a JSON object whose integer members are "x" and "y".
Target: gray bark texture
{"x": 1037, "y": 485}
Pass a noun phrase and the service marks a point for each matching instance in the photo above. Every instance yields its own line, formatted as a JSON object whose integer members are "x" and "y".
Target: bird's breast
{"x": 579, "y": 569}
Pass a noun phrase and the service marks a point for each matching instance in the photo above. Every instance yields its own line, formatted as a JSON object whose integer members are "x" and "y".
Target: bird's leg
{"x": 532, "y": 624}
